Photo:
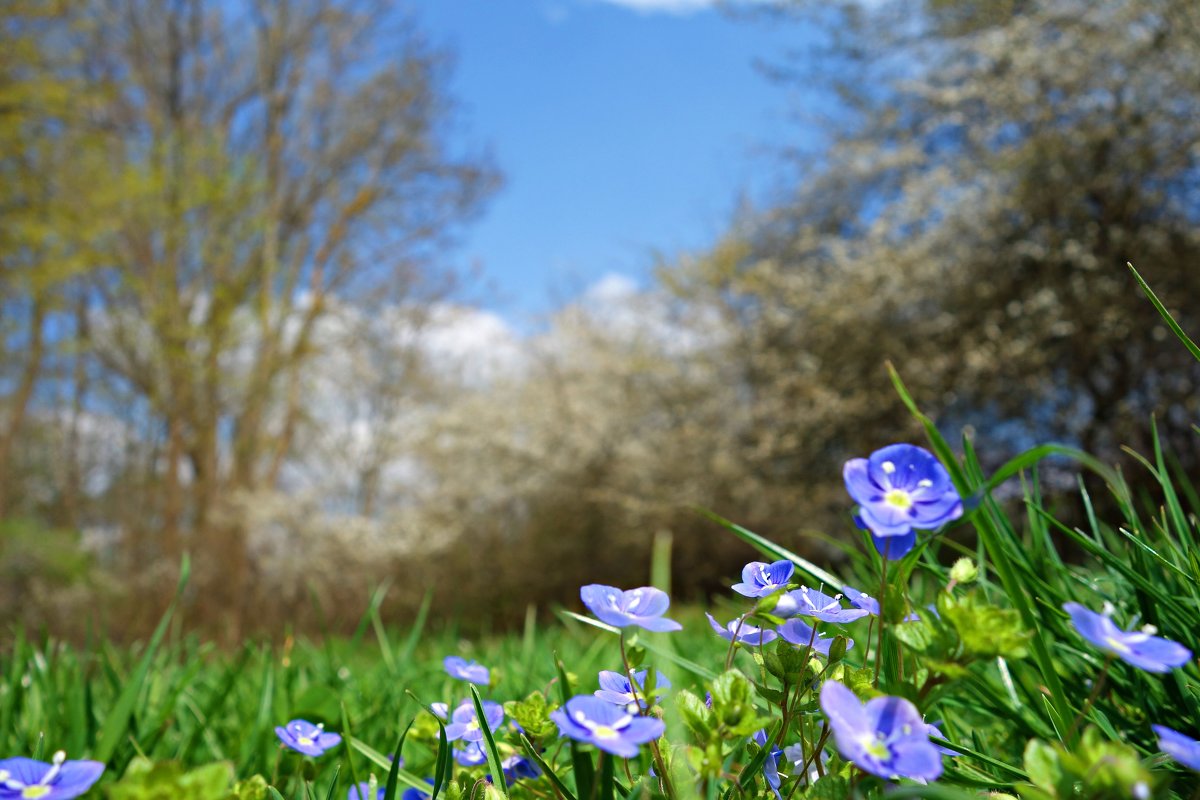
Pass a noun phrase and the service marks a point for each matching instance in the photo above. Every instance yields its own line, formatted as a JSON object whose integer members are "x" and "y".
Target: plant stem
{"x": 882, "y": 596}
{"x": 1087, "y": 705}
{"x": 664, "y": 778}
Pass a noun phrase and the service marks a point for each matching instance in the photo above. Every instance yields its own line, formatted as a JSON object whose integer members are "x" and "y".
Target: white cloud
{"x": 664, "y": 6}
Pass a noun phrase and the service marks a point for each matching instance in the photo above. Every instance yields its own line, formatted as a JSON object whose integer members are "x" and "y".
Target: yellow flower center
{"x": 34, "y": 792}
{"x": 876, "y": 746}
{"x": 898, "y": 498}
{"x": 604, "y": 732}
{"x": 304, "y": 740}
{"x": 1116, "y": 645}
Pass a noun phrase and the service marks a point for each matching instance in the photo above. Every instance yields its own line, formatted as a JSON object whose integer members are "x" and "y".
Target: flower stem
{"x": 1087, "y": 705}
{"x": 882, "y": 598}
{"x": 665, "y": 778}
{"x": 733, "y": 641}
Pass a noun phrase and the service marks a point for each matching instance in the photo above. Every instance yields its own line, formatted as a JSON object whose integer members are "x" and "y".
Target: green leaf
{"x": 168, "y": 780}
{"x": 734, "y": 705}
{"x": 252, "y": 788}
{"x": 985, "y": 630}
{"x": 532, "y": 714}
{"x": 698, "y": 717}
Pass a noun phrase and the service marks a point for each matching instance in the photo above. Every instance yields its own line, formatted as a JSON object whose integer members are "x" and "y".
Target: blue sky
{"x": 621, "y": 132}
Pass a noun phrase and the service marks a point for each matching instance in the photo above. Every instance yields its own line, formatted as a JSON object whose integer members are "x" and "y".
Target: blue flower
{"x": 812, "y": 603}
{"x": 861, "y": 600}
{"x": 886, "y": 737}
{"x": 771, "y": 765}
{"x": 901, "y": 489}
{"x": 760, "y": 579}
{"x": 1179, "y": 747}
{"x": 796, "y": 632}
{"x": 934, "y": 729}
{"x": 470, "y": 756}
{"x": 1140, "y": 648}
{"x": 746, "y": 633}
{"x": 643, "y": 607}
{"x": 589, "y": 719}
{"x": 441, "y": 710}
{"x": 416, "y": 794}
{"x": 464, "y": 722}
{"x": 304, "y": 737}
{"x": 466, "y": 670}
{"x": 615, "y": 687}
{"x": 518, "y": 767}
{"x": 27, "y": 779}
{"x": 363, "y": 791}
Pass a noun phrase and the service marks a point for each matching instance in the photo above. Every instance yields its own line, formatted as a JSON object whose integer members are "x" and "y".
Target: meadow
{"x": 1001, "y": 652}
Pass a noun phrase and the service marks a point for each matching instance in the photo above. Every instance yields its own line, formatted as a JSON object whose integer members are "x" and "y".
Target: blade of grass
{"x": 493, "y": 755}
{"x": 536, "y": 758}
{"x": 120, "y": 718}
{"x": 580, "y": 761}
{"x": 389, "y": 791}
{"x": 1192, "y": 347}
{"x": 414, "y": 636}
{"x": 380, "y": 760}
{"x": 772, "y": 550}
{"x": 691, "y": 666}
{"x": 337, "y": 770}
{"x": 999, "y": 556}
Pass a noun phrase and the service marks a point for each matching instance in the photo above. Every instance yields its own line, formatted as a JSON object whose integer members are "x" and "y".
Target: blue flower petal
{"x": 1183, "y": 749}
{"x": 895, "y": 547}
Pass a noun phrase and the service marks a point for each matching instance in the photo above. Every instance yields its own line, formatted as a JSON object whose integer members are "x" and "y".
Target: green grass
{"x": 1028, "y": 705}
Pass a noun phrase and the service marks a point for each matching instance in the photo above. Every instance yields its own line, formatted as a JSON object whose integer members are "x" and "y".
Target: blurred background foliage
{"x": 223, "y": 307}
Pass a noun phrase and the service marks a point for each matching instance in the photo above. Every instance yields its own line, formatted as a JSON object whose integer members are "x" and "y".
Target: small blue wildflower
{"x": 797, "y": 756}
{"x": 794, "y": 631}
{"x": 466, "y": 670}
{"x": 745, "y": 632}
{"x": 760, "y": 579}
{"x": 304, "y": 737}
{"x": 1179, "y": 747}
{"x": 642, "y": 607}
{"x": 771, "y": 765}
{"x": 901, "y": 489}
{"x": 440, "y": 709}
{"x": 517, "y": 768}
{"x": 586, "y": 718}
{"x": 416, "y": 794}
{"x": 470, "y": 756}
{"x": 871, "y": 605}
{"x": 935, "y": 729}
{"x": 363, "y": 792}
{"x": 886, "y": 737}
{"x": 808, "y": 602}
{"x": 615, "y": 687}
{"x": 27, "y": 779}
{"x": 1141, "y": 648}
{"x": 862, "y": 600}
{"x": 464, "y": 722}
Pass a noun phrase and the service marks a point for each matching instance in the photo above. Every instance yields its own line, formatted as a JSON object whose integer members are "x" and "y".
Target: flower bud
{"x": 964, "y": 571}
